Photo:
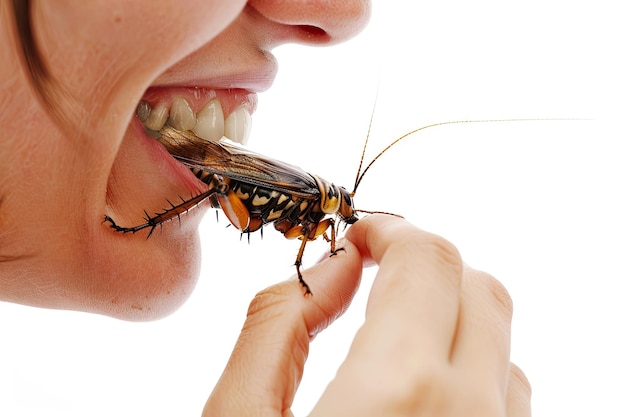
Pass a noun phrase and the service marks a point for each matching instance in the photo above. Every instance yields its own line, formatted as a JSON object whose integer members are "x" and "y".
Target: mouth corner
{"x": 145, "y": 177}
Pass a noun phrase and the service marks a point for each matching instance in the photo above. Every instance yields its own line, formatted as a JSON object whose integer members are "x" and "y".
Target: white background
{"x": 540, "y": 205}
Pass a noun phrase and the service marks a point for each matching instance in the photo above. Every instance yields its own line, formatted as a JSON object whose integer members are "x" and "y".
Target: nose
{"x": 316, "y": 21}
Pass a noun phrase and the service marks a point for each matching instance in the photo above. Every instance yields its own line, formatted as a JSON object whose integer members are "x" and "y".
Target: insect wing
{"x": 235, "y": 162}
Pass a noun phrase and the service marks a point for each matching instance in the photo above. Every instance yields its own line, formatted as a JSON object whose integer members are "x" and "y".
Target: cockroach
{"x": 253, "y": 190}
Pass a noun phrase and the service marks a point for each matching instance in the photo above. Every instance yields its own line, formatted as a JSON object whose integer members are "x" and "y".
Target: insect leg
{"x": 168, "y": 214}
{"x": 321, "y": 229}
{"x": 333, "y": 236}
{"x": 307, "y": 289}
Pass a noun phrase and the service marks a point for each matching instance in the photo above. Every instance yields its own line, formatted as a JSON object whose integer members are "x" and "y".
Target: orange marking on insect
{"x": 235, "y": 210}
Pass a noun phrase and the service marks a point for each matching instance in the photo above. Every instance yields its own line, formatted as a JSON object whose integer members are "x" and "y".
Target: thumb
{"x": 266, "y": 365}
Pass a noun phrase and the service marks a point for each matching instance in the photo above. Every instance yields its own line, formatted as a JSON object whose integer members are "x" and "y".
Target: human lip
{"x": 257, "y": 81}
{"x": 227, "y": 89}
{"x": 257, "y": 76}
{"x": 213, "y": 99}
{"x": 145, "y": 163}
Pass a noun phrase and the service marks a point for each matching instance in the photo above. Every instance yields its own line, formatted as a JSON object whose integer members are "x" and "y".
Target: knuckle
{"x": 493, "y": 291}
{"x": 499, "y": 294}
{"x": 424, "y": 393}
{"x": 519, "y": 380}
{"x": 437, "y": 392}
{"x": 443, "y": 249}
{"x": 443, "y": 253}
{"x": 432, "y": 246}
{"x": 430, "y": 254}
{"x": 269, "y": 300}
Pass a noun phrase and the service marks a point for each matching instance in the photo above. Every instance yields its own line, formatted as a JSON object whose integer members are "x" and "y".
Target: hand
{"x": 435, "y": 341}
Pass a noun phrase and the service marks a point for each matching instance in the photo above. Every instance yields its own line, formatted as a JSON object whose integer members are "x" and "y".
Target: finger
{"x": 518, "y": 394}
{"x": 267, "y": 362}
{"x": 415, "y": 297}
{"x": 483, "y": 339}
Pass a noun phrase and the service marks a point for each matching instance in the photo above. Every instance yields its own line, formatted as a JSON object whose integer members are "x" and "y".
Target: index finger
{"x": 267, "y": 362}
{"x": 414, "y": 301}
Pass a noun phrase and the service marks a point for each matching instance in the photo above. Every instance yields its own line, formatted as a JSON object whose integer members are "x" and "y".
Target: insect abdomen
{"x": 266, "y": 205}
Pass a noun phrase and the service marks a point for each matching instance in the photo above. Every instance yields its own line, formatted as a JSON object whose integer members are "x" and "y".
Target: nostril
{"x": 316, "y": 22}
{"x": 311, "y": 33}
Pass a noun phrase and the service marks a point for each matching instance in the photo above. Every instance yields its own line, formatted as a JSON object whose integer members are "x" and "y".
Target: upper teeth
{"x": 208, "y": 124}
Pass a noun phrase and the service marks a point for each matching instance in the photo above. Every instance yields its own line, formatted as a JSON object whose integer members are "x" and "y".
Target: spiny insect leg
{"x": 118, "y": 228}
{"x": 168, "y": 214}
{"x": 298, "y": 263}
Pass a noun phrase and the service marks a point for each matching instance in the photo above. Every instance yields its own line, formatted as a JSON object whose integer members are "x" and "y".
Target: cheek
{"x": 106, "y": 53}
{"x": 99, "y": 45}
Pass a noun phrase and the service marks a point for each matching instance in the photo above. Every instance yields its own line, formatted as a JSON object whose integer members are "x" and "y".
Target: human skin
{"x": 62, "y": 174}
{"x": 435, "y": 341}
{"x": 436, "y": 332}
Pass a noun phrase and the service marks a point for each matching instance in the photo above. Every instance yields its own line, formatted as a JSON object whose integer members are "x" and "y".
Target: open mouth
{"x": 145, "y": 177}
{"x": 210, "y": 114}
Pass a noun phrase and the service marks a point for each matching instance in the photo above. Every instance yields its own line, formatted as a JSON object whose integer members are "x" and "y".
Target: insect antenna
{"x": 357, "y": 180}
{"x": 379, "y": 212}
{"x": 361, "y": 174}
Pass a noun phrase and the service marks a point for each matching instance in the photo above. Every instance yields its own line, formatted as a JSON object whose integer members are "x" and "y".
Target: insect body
{"x": 253, "y": 190}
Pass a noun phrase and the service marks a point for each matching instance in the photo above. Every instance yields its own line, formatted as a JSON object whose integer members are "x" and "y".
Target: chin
{"x": 145, "y": 279}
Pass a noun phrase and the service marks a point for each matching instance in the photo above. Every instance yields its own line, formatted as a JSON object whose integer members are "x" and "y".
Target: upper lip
{"x": 256, "y": 79}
